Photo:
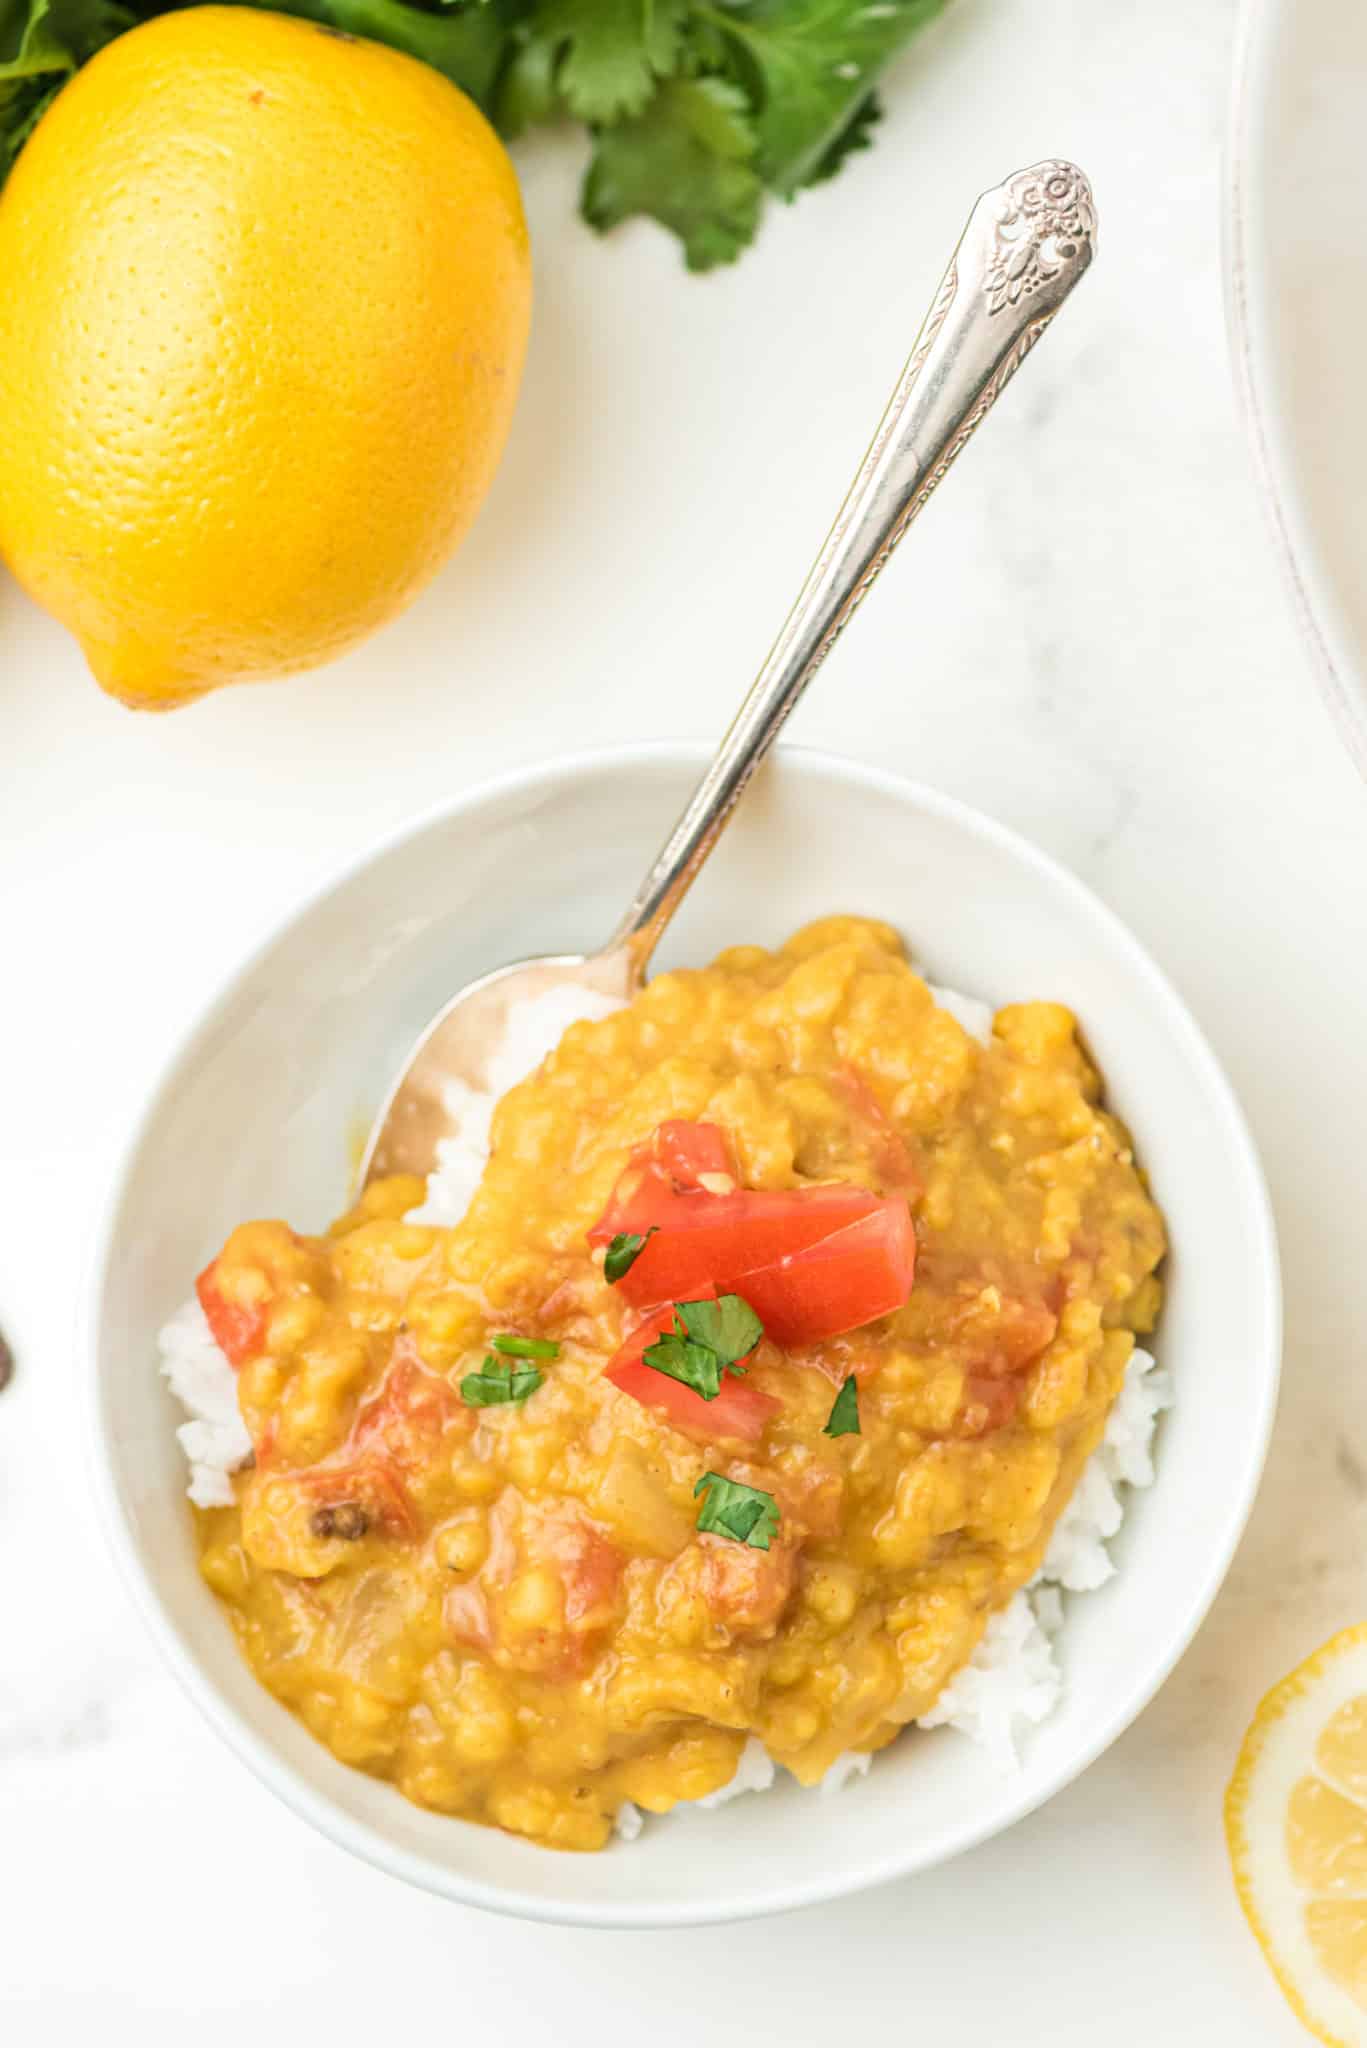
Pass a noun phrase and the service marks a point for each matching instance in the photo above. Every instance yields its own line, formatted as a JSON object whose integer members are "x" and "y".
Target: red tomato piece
{"x": 410, "y": 1410}
{"x": 1025, "y": 1330}
{"x": 738, "y": 1411}
{"x": 846, "y": 1279}
{"x": 1003, "y": 1329}
{"x": 812, "y": 1262}
{"x": 588, "y": 1566}
{"x": 563, "y": 1542}
{"x": 688, "y": 1151}
{"x": 747, "y": 1590}
{"x": 895, "y": 1162}
{"x": 671, "y": 1165}
{"x": 370, "y": 1481}
{"x": 240, "y": 1333}
{"x": 988, "y": 1404}
{"x": 390, "y": 1445}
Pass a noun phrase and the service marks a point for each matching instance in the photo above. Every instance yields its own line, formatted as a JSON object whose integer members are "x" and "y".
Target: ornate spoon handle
{"x": 1026, "y": 244}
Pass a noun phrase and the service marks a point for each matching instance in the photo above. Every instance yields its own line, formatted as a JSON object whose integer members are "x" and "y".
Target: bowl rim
{"x": 1340, "y": 667}
{"x": 781, "y": 1895}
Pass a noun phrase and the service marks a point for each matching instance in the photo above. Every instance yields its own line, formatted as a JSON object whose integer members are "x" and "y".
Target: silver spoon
{"x": 1026, "y": 245}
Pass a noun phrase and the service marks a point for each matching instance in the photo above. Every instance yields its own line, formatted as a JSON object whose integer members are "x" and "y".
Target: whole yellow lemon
{"x": 264, "y": 299}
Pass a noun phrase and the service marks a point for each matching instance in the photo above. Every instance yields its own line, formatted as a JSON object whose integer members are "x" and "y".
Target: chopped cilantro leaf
{"x": 810, "y": 65}
{"x": 612, "y": 52}
{"x": 498, "y": 1382}
{"x": 680, "y": 1359}
{"x": 527, "y": 91}
{"x": 728, "y": 1326}
{"x": 686, "y": 162}
{"x": 527, "y": 1347}
{"x": 741, "y": 1512}
{"x": 856, "y": 134}
{"x": 844, "y": 1416}
{"x": 624, "y": 1251}
{"x": 711, "y": 1339}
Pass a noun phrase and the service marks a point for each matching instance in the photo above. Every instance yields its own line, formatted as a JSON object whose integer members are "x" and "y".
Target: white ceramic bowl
{"x": 1296, "y": 293}
{"x": 254, "y": 1116}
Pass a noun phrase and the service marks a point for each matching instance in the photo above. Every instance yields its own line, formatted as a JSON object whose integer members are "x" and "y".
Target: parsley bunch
{"x": 695, "y": 108}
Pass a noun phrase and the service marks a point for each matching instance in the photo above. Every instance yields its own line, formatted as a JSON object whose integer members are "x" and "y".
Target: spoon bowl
{"x": 458, "y": 1045}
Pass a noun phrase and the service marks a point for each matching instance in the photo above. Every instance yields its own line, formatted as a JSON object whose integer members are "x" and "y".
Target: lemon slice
{"x": 1296, "y": 1820}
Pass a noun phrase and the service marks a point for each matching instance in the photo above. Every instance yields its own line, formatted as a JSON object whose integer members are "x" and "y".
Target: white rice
{"x": 1013, "y": 1680}
{"x": 215, "y": 1440}
{"x": 534, "y": 1029}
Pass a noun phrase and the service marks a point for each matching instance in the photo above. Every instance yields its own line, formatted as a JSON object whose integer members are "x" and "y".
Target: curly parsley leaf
{"x": 686, "y": 161}
{"x": 741, "y": 1512}
{"x": 810, "y": 65}
{"x": 844, "y": 1415}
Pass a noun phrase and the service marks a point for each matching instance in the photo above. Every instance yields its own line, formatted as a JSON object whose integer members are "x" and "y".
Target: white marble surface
{"x": 1085, "y": 637}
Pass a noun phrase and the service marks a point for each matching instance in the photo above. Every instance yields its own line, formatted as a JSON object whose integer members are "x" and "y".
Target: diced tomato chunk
{"x": 1002, "y": 1331}
{"x": 689, "y": 1151}
{"x": 738, "y": 1411}
{"x": 671, "y": 1166}
{"x": 1024, "y": 1331}
{"x": 239, "y": 1332}
{"x": 587, "y": 1564}
{"x": 302, "y": 1521}
{"x": 410, "y": 1410}
{"x": 812, "y": 1262}
{"x": 379, "y": 1468}
{"x": 370, "y": 1481}
{"x": 576, "y": 1552}
{"x": 850, "y": 1277}
{"x": 897, "y": 1165}
{"x": 750, "y": 1228}
{"x": 747, "y": 1590}
{"x": 988, "y": 1404}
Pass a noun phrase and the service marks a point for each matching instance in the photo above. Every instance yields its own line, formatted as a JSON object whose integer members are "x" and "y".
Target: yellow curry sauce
{"x": 526, "y": 1627}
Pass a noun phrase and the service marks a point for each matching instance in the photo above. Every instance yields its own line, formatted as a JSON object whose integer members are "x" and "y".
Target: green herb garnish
{"x": 711, "y": 1339}
{"x": 624, "y": 1251}
{"x": 741, "y": 1512}
{"x": 692, "y": 1364}
{"x": 696, "y": 109}
{"x": 844, "y": 1415}
{"x": 498, "y": 1383}
{"x": 728, "y": 1326}
{"x": 527, "y": 1347}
